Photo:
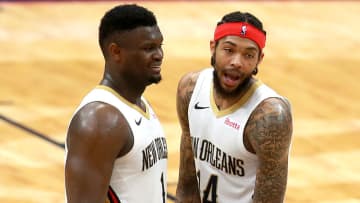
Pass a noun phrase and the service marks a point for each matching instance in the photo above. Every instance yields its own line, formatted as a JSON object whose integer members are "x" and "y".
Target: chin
{"x": 155, "y": 79}
{"x": 229, "y": 91}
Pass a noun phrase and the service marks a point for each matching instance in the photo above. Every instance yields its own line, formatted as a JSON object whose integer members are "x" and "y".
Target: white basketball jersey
{"x": 140, "y": 175}
{"x": 226, "y": 170}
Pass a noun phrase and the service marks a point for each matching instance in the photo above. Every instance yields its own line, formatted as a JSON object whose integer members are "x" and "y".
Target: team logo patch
{"x": 243, "y": 30}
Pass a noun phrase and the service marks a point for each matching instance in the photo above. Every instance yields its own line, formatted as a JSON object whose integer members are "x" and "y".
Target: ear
{"x": 212, "y": 47}
{"x": 261, "y": 57}
{"x": 114, "y": 51}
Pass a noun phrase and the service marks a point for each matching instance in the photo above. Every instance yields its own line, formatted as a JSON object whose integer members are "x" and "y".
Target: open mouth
{"x": 231, "y": 79}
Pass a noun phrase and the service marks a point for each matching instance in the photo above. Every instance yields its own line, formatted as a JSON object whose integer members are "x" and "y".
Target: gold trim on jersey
{"x": 237, "y": 105}
{"x": 146, "y": 114}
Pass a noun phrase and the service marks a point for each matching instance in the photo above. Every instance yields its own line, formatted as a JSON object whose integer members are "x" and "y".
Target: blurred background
{"x": 49, "y": 59}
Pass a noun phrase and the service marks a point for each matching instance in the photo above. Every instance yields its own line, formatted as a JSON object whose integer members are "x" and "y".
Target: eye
{"x": 249, "y": 56}
{"x": 228, "y": 50}
{"x": 149, "y": 48}
{"x": 152, "y": 47}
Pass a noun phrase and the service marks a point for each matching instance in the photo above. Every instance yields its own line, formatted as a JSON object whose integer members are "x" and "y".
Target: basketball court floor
{"x": 49, "y": 59}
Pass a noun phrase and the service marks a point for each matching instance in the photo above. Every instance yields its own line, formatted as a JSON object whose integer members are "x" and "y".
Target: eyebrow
{"x": 230, "y": 42}
{"x": 250, "y": 48}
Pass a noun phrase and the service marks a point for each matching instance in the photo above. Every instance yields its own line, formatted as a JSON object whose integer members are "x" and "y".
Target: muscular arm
{"x": 269, "y": 131}
{"x": 187, "y": 188}
{"x": 97, "y": 135}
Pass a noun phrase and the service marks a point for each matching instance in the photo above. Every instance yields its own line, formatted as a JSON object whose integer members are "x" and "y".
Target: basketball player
{"x": 236, "y": 131}
{"x": 115, "y": 147}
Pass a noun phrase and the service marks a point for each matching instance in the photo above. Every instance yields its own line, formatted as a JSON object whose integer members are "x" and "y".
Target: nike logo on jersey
{"x": 200, "y": 107}
{"x": 138, "y": 122}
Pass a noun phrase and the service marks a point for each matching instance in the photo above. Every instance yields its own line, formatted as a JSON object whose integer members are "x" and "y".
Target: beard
{"x": 221, "y": 91}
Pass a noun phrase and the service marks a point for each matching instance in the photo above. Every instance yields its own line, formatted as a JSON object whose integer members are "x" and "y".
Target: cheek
{"x": 139, "y": 59}
{"x": 221, "y": 59}
{"x": 250, "y": 64}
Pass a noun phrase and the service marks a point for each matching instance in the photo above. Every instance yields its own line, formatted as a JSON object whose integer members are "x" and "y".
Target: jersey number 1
{"x": 162, "y": 186}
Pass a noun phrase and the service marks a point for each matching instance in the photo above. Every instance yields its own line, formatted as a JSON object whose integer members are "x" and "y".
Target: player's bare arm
{"x": 269, "y": 131}
{"x": 187, "y": 188}
{"x": 92, "y": 151}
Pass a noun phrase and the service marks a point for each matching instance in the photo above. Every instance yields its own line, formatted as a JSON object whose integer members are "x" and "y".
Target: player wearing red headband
{"x": 236, "y": 131}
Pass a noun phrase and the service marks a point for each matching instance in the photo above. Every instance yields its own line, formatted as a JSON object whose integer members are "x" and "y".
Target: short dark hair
{"x": 123, "y": 18}
{"x": 238, "y": 16}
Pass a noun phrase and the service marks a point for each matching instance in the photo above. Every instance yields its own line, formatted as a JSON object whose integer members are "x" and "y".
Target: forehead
{"x": 239, "y": 42}
{"x": 140, "y": 35}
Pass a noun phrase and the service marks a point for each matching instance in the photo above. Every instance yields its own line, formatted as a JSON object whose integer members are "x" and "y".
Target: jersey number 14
{"x": 210, "y": 192}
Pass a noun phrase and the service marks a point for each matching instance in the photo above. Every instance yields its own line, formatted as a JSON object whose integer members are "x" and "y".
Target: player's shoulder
{"x": 188, "y": 80}
{"x": 187, "y": 84}
{"x": 96, "y": 117}
{"x": 276, "y": 103}
{"x": 102, "y": 126}
{"x": 274, "y": 107}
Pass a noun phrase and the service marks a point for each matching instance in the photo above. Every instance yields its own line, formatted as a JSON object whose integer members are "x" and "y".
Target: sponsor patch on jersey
{"x": 231, "y": 123}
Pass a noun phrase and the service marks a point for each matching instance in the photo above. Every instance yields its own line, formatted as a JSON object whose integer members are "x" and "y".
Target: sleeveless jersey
{"x": 140, "y": 175}
{"x": 226, "y": 170}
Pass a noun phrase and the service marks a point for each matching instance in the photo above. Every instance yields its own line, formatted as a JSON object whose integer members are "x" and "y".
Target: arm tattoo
{"x": 187, "y": 188}
{"x": 269, "y": 130}
{"x": 184, "y": 93}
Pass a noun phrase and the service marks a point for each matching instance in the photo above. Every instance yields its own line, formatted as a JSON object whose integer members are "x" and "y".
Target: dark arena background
{"x": 49, "y": 59}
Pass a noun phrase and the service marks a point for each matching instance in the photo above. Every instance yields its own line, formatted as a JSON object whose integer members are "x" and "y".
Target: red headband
{"x": 241, "y": 29}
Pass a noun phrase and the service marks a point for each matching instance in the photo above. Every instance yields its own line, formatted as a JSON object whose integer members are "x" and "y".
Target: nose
{"x": 236, "y": 61}
{"x": 159, "y": 54}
